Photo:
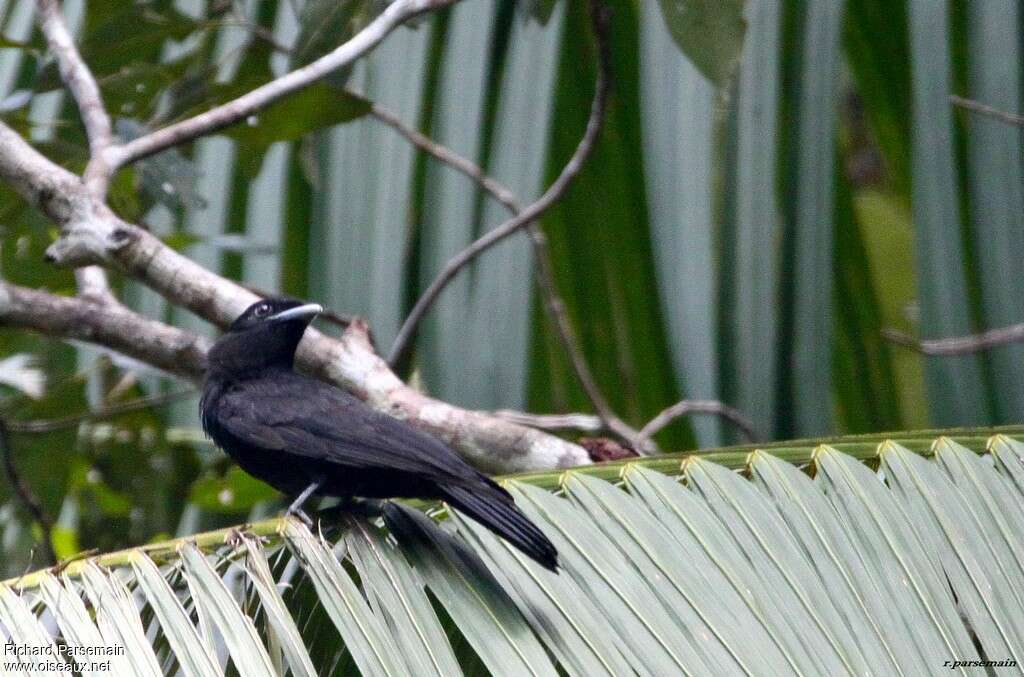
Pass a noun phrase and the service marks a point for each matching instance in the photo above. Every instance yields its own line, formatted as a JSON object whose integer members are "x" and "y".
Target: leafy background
{"x": 741, "y": 233}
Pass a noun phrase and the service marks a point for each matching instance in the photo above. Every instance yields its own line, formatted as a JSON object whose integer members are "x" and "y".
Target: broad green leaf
{"x": 966, "y": 550}
{"x": 555, "y": 606}
{"x": 709, "y": 33}
{"x": 395, "y": 591}
{"x": 218, "y": 605}
{"x": 907, "y": 564}
{"x": 956, "y": 385}
{"x": 679, "y": 141}
{"x": 811, "y": 198}
{"x": 483, "y": 612}
{"x": 365, "y": 634}
{"x": 278, "y": 616}
{"x": 995, "y": 171}
{"x": 325, "y": 24}
{"x": 118, "y": 620}
{"x": 754, "y": 314}
{"x": 656, "y": 647}
{"x": 194, "y": 655}
{"x": 24, "y": 627}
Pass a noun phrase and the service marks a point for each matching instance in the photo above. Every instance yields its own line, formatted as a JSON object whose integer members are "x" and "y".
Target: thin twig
{"x": 584, "y": 422}
{"x": 714, "y": 407}
{"x": 496, "y": 189}
{"x": 958, "y": 345}
{"x": 532, "y": 212}
{"x": 82, "y": 85}
{"x": 24, "y": 493}
{"x": 984, "y": 109}
{"x": 257, "y": 99}
{"x": 64, "y": 422}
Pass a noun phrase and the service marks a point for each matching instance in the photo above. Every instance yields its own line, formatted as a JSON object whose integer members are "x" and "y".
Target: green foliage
{"x": 670, "y": 564}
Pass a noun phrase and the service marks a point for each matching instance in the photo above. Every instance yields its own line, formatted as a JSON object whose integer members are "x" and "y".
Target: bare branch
{"x": 82, "y": 85}
{"x": 46, "y": 186}
{"x": 983, "y": 109}
{"x": 592, "y": 424}
{"x": 532, "y": 212}
{"x": 24, "y": 493}
{"x": 544, "y": 271}
{"x": 174, "y": 350}
{"x": 256, "y": 100}
{"x": 959, "y": 345}
{"x": 713, "y": 407}
{"x": 496, "y": 189}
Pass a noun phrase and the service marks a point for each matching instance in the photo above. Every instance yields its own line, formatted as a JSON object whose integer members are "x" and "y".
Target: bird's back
{"x": 283, "y": 423}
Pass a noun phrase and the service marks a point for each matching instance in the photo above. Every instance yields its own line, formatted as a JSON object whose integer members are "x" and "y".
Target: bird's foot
{"x": 300, "y": 514}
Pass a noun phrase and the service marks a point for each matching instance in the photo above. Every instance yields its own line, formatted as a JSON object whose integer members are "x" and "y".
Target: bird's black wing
{"x": 308, "y": 418}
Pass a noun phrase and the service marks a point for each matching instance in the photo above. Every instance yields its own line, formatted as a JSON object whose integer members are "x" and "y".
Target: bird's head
{"x": 265, "y": 335}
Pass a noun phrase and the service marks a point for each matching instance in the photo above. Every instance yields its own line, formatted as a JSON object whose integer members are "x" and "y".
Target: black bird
{"x": 305, "y": 437}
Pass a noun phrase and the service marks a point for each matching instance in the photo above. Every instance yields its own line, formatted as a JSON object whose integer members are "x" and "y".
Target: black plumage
{"x": 303, "y": 436}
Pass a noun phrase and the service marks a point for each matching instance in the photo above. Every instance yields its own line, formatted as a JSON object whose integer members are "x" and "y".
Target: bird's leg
{"x": 295, "y": 509}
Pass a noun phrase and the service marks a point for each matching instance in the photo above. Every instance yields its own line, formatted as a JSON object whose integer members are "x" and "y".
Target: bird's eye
{"x": 262, "y": 309}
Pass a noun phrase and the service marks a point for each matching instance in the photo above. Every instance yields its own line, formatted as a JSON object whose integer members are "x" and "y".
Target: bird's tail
{"x": 494, "y": 509}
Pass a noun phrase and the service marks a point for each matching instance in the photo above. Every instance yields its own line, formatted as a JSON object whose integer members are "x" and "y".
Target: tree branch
{"x": 995, "y": 113}
{"x": 685, "y": 407}
{"x": 397, "y": 13}
{"x": 531, "y": 213}
{"x": 24, "y": 493}
{"x": 173, "y": 350}
{"x": 958, "y": 345}
{"x": 82, "y": 85}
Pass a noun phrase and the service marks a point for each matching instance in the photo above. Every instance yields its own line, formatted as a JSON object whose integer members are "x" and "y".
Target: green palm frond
{"x": 809, "y": 561}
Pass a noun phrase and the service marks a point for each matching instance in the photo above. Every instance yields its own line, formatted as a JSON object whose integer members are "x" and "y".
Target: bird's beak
{"x": 303, "y": 312}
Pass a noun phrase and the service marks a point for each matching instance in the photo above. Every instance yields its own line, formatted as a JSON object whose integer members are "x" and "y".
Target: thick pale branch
{"x": 92, "y": 281}
{"x": 48, "y": 187}
{"x": 174, "y": 350}
{"x": 396, "y": 14}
